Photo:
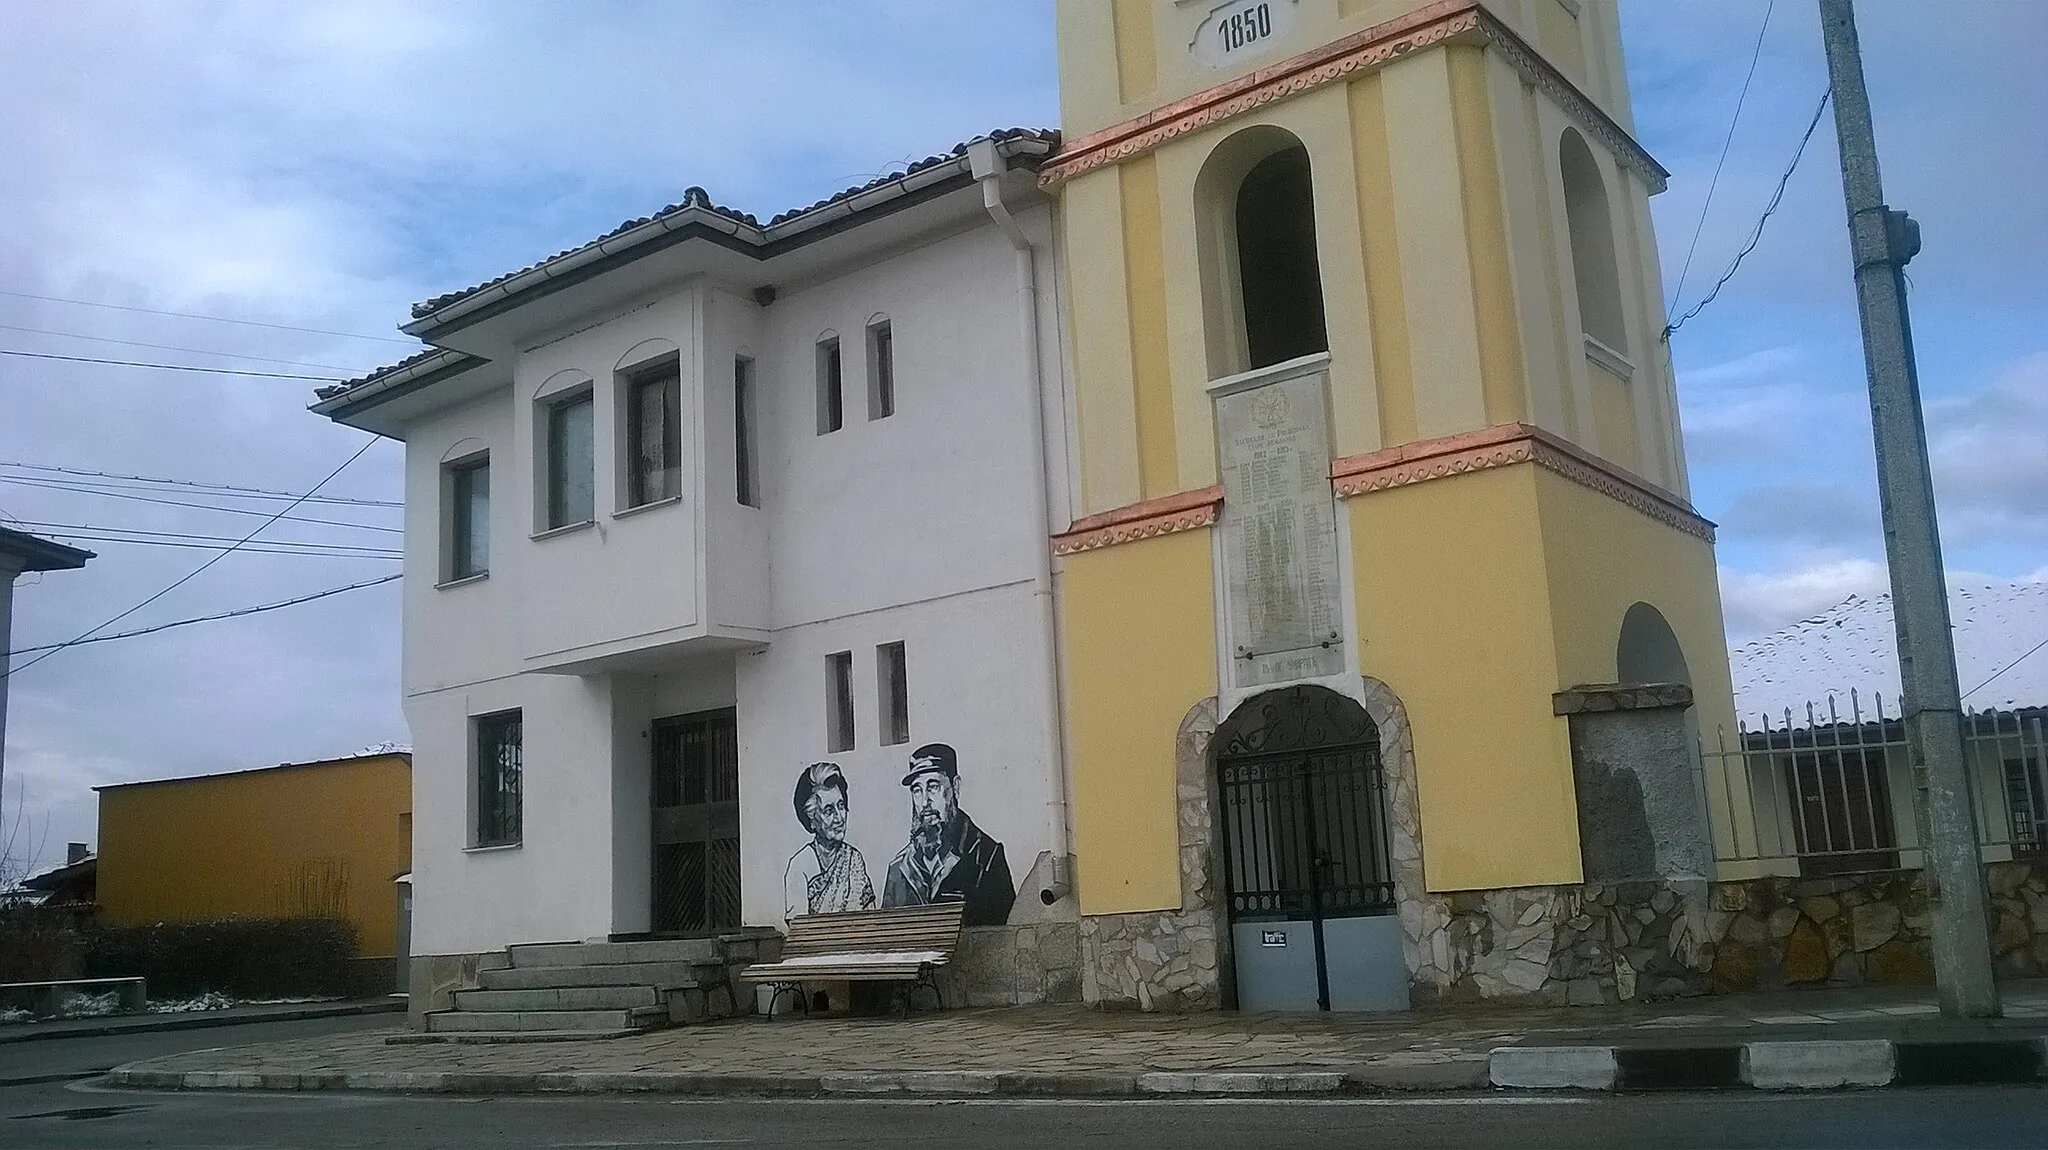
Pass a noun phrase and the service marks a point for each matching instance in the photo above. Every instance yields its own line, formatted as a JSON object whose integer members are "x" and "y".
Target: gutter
{"x": 430, "y": 369}
{"x": 985, "y": 159}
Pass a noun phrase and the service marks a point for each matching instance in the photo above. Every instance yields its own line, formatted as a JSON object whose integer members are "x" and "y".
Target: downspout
{"x": 987, "y": 167}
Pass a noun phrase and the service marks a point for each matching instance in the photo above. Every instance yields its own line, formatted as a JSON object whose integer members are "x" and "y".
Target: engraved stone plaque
{"x": 1279, "y": 532}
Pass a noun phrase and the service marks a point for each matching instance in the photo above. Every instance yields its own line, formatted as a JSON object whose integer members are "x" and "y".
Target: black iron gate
{"x": 1304, "y": 814}
{"x": 696, "y": 824}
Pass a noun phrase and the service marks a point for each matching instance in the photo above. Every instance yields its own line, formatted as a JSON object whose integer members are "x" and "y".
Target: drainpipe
{"x": 987, "y": 167}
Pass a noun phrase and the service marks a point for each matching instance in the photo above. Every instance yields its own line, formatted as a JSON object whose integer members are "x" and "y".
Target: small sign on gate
{"x": 1272, "y": 938}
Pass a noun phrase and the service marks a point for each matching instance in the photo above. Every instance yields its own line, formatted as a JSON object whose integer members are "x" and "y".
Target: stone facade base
{"x": 1014, "y": 965}
{"x": 1559, "y": 945}
{"x": 1864, "y": 928}
{"x": 1161, "y": 961}
{"x": 436, "y": 978}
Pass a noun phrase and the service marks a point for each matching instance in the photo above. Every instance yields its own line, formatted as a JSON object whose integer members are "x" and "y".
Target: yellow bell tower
{"x": 1372, "y": 420}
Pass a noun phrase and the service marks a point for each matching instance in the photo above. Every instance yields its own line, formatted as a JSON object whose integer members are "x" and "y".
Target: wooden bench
{"x": 899, "y": 944}
{"x": 46, "y": 999}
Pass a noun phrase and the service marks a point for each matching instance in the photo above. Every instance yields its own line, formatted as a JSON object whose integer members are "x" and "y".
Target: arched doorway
{"x": 1308, "y": 871}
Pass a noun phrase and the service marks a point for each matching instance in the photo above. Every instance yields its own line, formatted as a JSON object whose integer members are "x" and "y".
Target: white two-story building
{"x": 705, "y": 504}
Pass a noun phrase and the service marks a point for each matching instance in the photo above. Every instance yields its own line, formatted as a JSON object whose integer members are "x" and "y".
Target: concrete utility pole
{"x": 1882, "y": 240}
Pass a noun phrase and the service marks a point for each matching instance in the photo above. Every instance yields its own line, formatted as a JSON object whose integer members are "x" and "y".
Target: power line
{"x": 221, "y": 487}
{"x": 235, "y": 614}
{"x": 2004, "y": 669}
{"x": 258, "y": 548}
{"x": 194, "y": 573}
{"x": 1758, "y": 233}
{"x": 170, "y": 366}
{"x": 1755, "y": 54}
{"x": 212, "y": 318}
{"x": 168, "y": 347}
{"x": 106, "y": 533}
{"x": 83, "y": 489}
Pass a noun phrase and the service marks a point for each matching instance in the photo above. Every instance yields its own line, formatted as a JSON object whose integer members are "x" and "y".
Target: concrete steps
{"x": 554, "y": 991}
{"x": 560, "y": 998}
{"x": 492, "y": 1021}
{"x": 661, "y": 975}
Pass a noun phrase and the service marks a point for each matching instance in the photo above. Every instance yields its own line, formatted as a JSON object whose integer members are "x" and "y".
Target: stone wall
{"x": 1014, "y": 965}
{"x": 1864, "y": 928}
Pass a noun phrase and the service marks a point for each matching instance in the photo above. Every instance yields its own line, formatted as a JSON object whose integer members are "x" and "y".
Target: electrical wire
{"x": 195, "y": 572}
{"x": 220, "y": 487}
{"x": 60, "y": 485}
{"x": 212, "y": 318}
{"x": 1758, "y": 234}
{"x": 107, "y": 534}
{"x": 169, "y": 347}
{"x": 257, "y": 548}
{"x": 235, "y": 614}
{"x": 1755, "y": 54}
{"x": 2004, "y": 669}
{"x": 170, "y": 366}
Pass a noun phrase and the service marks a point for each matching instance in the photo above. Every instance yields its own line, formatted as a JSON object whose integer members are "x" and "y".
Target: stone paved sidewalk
{"x": 1071, "y": 1050}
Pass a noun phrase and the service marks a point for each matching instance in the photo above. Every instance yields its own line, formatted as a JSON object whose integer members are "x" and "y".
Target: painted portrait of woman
{"x": 828, "y": 873}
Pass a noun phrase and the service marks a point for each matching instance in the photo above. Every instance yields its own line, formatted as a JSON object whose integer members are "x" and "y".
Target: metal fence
{"x": 1834, "y": 793}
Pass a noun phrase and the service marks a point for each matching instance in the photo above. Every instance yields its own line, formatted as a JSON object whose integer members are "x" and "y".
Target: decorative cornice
{"x": 1363, "y": 51}
{"x": 1165, "y": 515}
{"x": 1503, "y": 446}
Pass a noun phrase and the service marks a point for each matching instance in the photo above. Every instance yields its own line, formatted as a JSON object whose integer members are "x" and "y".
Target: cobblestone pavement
{"x": 1435, "y": 1048}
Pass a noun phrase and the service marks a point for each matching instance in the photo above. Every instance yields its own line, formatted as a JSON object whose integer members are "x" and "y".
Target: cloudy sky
{"x": 320, "y": 166}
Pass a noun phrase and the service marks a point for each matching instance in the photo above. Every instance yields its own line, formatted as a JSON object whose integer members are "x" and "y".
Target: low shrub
{"x": 37, "y": 945}
{"x": 237, "y": 957}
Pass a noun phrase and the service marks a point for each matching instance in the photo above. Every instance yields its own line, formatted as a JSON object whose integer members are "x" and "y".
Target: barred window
{"x": 499, "y": 752}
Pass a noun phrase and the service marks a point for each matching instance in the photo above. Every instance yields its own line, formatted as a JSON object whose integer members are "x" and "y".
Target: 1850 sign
{"x": 1241, "y": 28}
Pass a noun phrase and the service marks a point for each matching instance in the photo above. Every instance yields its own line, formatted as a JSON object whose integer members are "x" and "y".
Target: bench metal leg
{"x": 794, "y": 990}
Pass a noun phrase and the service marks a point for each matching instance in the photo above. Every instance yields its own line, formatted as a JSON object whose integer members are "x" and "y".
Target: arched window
{"x": 1592, "y": 236}
{"x": 1262, "y": 286}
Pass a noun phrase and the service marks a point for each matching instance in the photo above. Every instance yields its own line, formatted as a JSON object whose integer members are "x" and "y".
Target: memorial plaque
{"x": 1279, "y": 533}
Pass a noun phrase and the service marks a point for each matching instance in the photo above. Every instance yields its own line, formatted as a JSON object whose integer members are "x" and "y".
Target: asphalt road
{"x": 44, "y": 1104}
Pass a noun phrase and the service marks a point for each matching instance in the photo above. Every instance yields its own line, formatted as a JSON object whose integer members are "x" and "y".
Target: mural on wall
{"x": 828, "y": 873}
{"x": 947, "y": 857}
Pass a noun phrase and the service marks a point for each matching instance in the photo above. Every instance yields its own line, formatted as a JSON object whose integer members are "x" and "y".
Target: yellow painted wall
{"x": 1140, "y": 645}
{"x": 1455, "y": 615}
{"x": 1145, "y": 290}
{"x": 1614, "y": 417}
{"x": 260, "y": 844}
{"x": 1604, "y": 557}
{"x": 1479, "y": 179}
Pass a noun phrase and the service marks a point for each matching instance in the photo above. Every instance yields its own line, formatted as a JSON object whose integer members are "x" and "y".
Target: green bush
{"x": 37, "y": 945}
{"x": 238, "y": 957}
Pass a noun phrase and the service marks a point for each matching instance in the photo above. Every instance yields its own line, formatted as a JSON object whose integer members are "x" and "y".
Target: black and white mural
{"x": 946, "y": 856}
{"x": 828, "y": 873}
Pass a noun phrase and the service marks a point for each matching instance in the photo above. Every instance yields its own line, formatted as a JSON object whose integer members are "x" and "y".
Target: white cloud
{"x": 1757, "y": 602}
{"x": 1989, "y": 450}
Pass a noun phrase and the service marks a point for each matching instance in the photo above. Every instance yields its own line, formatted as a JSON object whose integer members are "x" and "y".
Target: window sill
{"x": 494, "y": 848}
{"x": 564, "y": 529}
{"x": 637, "y": 508}
{"x": 465, "y": 581}
{"x": 1614, "y": 362}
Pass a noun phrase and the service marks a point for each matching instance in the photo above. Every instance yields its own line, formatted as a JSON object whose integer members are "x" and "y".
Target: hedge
{"x": 237, "y": 957}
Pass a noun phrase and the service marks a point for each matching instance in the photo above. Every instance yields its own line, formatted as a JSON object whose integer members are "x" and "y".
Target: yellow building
{"x": 322, "y": 839}
{"x": 1382, "y": 495}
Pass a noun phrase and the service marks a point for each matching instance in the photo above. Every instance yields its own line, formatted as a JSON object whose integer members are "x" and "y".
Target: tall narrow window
{"x": 839, "y": 701}
{"x": 831, "y": 395}
{"x": 469, "y": 518}
{"x": 1592, "y": 239}
{"x": 654, "y": 435}
{"x": 499, "y": 759}
{"x": 881, "y": 371}
{"x": 894, "y": 678}
{"x": 745, "y": 457}
{"x": 572, "y": 487}
{"x": 1276, "y": 258}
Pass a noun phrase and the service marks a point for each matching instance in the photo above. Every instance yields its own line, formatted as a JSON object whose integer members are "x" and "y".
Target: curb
{"x": 202, "y": 1019}
{"x": 1467, "y": 1075}
{"x": 1830, "y": 1064}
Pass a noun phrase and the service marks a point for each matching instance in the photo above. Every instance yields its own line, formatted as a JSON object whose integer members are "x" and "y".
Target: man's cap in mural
{"x": 933, "y": 757}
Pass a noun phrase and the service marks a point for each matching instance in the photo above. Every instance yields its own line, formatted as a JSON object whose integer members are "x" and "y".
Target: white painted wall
{"x": 918, "y": 528}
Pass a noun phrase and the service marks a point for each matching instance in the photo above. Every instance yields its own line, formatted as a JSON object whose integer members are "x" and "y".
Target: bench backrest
{"x": 932, "y": 927}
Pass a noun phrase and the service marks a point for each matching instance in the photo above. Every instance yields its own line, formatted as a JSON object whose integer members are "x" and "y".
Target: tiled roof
{"x": 417, "y": 357}
{"x": 696, "y": 197}
{"x": 2000, "y": 660}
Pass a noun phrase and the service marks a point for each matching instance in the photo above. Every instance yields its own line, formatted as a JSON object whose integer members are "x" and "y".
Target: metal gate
{"x": 696, "y": 824}
{"x": 1305, "y": 843}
